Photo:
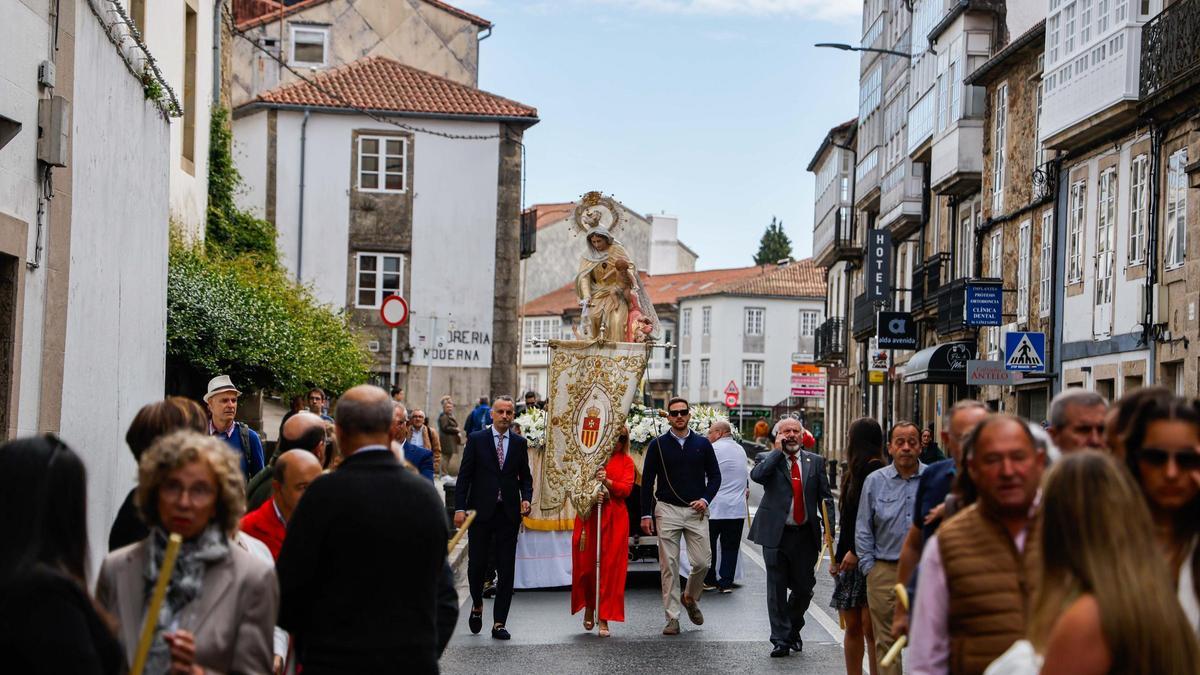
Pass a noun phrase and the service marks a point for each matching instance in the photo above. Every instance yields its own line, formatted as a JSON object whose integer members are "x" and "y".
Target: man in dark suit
{"x": 365, "y": 556}
{"x": 789, "y": 531}
{"x": 493, "y": 480}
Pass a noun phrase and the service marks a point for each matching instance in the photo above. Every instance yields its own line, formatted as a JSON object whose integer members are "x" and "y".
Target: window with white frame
{"x": 1085, "y": 21}
{"x": 537, "y": 329}
{"x": 808, "y": 322}
{"x": 378, "y": 275}
{"x": 754, "y": 320}
{"x": 685, "y": 323}
{"x": 310, "y": 45}
{"x": 965, "y": 255}
{"x": 706, "y": 320}
{"x": 1075, "y": 219}
{"x": 1138, "y": 176}
{"x": 1106, "y": 225}
{"x": 1052, "y": 28}
{"x": 1069, "y": 29}
{"x": 531, "y": 382}
{"x": 752, "y": 374}
{"x": 1044, "y": 269}
{"x": 703, "y": 374}
{"x": 1175, "y": 242}
{"x": 999, "y": 149}
{"x": 685, "y": 369}
{"x": 1024, "y": 254}
{"x": 382, "y": 164}
{"x": 1102, "y": 17}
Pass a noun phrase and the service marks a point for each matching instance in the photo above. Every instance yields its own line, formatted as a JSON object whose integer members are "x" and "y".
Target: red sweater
{"x": 263, "y": 524}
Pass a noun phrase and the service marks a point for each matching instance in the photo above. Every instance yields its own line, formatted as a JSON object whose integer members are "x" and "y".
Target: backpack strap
{"x": 244, "y": 432}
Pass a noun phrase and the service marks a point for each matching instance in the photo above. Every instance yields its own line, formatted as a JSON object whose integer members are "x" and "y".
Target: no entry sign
{"x": 394, "y": 310}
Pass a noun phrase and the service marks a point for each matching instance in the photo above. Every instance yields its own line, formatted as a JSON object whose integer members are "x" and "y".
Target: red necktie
{"x": 798, "y": 513}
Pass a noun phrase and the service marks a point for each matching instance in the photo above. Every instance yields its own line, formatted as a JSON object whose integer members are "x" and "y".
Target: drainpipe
{"x": 218, "y": 6}
{"x": 1058, "y": 299}
{"x": 1148, "y": 332}
{"x": 300, "y": 218}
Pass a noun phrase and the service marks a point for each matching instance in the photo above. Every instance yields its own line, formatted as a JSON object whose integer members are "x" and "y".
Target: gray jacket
{"x": 773, "y": 474}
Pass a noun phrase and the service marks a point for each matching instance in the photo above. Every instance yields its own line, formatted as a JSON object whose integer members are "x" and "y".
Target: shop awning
{"x": 940, "y": 364}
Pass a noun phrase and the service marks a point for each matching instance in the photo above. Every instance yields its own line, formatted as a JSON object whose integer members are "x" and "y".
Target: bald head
{"x": 294, "y": 471}
{"x": 304, "y": 431}
{"x": 718, "y": 430}
{"x": 364, "y": 417}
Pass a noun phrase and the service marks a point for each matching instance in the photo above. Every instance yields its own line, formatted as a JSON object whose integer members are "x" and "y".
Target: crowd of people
{"x": 1070, "y": 548}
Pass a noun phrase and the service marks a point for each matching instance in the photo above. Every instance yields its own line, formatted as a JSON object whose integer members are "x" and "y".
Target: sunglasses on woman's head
{"x": 1186, "y": 461}
{"x": 622, "y": 438}
{"x": 677, "y": 413}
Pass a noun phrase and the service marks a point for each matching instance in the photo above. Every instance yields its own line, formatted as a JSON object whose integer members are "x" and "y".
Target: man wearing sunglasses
{"x": 681, "y": 474}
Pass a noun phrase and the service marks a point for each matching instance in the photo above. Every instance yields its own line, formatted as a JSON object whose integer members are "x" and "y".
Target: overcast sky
{"x": 705, "y": 109}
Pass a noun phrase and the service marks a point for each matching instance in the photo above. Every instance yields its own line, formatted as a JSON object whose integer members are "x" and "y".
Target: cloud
{"x": 819, "y": 9}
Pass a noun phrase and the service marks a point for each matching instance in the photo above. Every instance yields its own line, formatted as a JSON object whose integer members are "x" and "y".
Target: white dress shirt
{"x": 730, "y": 502}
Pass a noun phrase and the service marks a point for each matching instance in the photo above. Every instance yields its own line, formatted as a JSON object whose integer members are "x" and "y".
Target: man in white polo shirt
{"x": 727, "y": 513}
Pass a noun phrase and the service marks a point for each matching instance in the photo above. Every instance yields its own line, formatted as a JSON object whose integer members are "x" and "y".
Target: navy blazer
{"x": 776, "y": 478}
{"x": 480, "y": 477}
{"x": 421, "y": 458}
{"x": 692, "y": 472}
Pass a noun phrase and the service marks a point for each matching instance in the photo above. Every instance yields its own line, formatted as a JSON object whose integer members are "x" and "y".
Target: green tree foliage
{"x": 774, "y": 246}
{"x": 230, "y": 231}
{"x": 250, "y": 321}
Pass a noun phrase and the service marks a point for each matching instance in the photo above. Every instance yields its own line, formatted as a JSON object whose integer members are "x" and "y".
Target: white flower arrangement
{"x": 533, "y": 426}
{"x": 645, "y": 424}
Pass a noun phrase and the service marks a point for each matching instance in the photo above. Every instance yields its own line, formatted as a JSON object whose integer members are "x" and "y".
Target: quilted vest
{"x": 989, "y": 584}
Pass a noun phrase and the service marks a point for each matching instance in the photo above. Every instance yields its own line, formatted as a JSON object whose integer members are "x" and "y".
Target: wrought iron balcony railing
{"x": 1045, "y": 181}
{"x": 831, "y": 341}
{"x": 863, "y": 325}
{"x": 1170, "y": 50}
{"x": 951, "y": 303}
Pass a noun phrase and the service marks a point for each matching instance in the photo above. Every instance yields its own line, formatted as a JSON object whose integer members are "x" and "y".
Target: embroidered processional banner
{"x": 592, "y": 385}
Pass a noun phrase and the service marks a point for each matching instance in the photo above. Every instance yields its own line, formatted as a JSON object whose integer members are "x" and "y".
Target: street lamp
{"x": 850, "y": 48}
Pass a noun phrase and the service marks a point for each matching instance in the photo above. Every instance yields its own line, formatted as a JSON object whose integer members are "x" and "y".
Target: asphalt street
{"x": 734, "y": 637}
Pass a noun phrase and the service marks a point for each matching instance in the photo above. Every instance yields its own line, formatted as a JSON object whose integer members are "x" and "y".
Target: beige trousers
{"x": 881, "y": 599}
{"x": 672, "y": 522}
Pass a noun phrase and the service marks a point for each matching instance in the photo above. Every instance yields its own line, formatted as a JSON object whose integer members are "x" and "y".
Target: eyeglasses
{"x": 677, "y": 413}
{"x": 198, "y": 494}
{"x": 1186, "y": 461}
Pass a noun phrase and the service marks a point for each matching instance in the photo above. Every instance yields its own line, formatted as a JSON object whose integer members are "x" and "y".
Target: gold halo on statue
{"x": 597, "y": 210}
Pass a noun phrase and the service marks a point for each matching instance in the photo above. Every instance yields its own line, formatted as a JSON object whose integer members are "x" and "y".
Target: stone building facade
{"x": 318, "y": 35}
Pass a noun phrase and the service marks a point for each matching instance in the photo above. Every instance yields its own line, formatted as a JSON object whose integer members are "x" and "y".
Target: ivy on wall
{"x": 232, "y": 309}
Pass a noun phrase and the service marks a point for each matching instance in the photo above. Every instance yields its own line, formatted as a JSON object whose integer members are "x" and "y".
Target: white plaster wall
{"x": 164, "y": 35}
{"x": 24, "y": 42}
{"x": 116, "y": 306}
{"x": 454, "y": 220}
{"x": 782, "y": 334}
{"x": 250, "y": 159}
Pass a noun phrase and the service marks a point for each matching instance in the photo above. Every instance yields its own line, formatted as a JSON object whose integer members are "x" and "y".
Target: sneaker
{"x": 694, "y": 613}
{"x": 709, "y": 587}
{"x": 672, "y": 627}
{"x": 728, "y": 589}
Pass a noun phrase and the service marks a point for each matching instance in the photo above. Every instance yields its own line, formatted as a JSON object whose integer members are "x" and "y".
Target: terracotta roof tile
{"x": 663, "y": 289}
{"x": 251, "y": 13}
{"x": 800, "y": 279}
{"x": 380, "y": 84}
{"x": 548, "y": 214}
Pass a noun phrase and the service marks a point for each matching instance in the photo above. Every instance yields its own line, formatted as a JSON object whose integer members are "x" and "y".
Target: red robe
{"x": 263, "y": 524}
{"x": 614, "y": 551}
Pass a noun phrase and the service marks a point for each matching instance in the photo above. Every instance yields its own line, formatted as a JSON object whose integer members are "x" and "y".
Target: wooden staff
{"x": 599, "y": 509}
{"x": 828, "y": 537}
{"x": 156, "y": 600}
{"x": 460, "y": 532}
{"x": 890, "y": 658}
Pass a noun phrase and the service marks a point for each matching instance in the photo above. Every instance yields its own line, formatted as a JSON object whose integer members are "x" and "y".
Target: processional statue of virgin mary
{"x": 614, "y": 302}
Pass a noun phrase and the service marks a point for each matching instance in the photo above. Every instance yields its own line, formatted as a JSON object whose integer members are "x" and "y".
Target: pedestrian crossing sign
{"x": 1025, "y": 352}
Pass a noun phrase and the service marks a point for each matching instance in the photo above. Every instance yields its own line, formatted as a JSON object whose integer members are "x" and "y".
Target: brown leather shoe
{"x": 693, "y": 611}
{"x": 672, "y": 627}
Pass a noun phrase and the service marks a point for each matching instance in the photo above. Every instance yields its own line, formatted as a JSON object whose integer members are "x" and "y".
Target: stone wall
{"x": 412, "y": 32}
{"x": 506, "y": 328}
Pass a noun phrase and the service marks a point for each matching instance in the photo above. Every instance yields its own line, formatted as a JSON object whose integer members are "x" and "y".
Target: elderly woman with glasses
{"x": 222, "y": 600}
{"x": 1161, "y": 446}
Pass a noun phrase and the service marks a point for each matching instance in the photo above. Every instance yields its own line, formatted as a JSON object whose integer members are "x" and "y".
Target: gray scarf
{"x": 186, "y": 583}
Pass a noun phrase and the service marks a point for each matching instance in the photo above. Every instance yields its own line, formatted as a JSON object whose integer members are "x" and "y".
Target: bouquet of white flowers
{"x": 533, "y": 426}
{"x": 645, "y": 424}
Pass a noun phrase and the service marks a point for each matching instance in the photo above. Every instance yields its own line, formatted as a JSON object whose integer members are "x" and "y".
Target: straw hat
{"x": 218, "y": 384}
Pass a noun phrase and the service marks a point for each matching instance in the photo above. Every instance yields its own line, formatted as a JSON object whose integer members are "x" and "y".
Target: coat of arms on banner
{"x": 592, "y": 385}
